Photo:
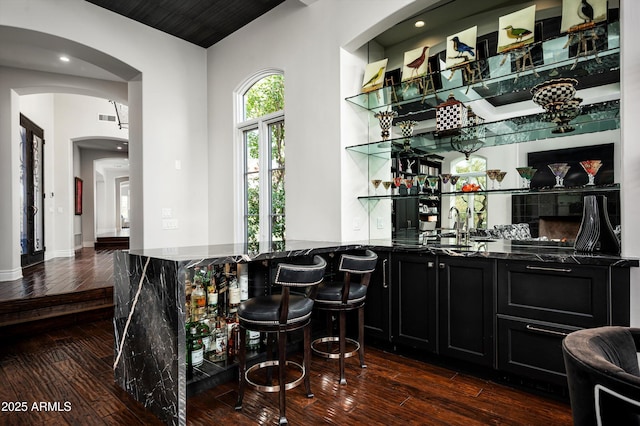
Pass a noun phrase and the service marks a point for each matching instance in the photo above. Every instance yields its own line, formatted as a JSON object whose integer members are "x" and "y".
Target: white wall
{"x": 315, "y": 87}
{"x": 171, "y": 126}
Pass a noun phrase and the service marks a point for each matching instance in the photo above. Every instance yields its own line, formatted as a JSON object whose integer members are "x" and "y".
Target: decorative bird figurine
{"x": 374, "y": 78}
{"x": 461, "y": 47}
{"x": 517, "y": 33}
{"x": 585, "y": 11}
{"x": 417, "y": 63}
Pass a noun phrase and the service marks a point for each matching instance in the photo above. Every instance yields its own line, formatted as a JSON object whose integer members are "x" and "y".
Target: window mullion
{"x": 265, "y": 182}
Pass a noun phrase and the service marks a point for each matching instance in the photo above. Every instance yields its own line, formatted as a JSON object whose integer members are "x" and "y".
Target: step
{"x": 39, "y": 314}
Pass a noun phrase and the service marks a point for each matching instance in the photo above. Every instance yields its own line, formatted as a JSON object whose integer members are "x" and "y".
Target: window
{"x": 473, "y": 170}
{"x": 263, "y": 150}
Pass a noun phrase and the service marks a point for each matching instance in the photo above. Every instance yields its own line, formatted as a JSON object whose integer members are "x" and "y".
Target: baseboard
{"x": 11, "y": 275}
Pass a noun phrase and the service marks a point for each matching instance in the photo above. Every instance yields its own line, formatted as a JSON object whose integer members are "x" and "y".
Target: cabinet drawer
{"x": 532, "y": 349}
{"x": 575, "y": 295}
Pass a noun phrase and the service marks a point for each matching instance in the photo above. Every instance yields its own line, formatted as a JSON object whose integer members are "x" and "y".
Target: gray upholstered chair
{"x": 603, "y": 375}
{"x": 341, "y": 297}
{"x": 277, "y": 315}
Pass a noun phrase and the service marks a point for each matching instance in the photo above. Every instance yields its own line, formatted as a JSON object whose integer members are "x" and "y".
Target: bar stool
{"x": 276, "y": 315}
{"x": 342, "y": 297}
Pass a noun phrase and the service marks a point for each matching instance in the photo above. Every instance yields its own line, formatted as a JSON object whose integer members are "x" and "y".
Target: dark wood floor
{"x": 89, "y": 269}
{"x": 71, "y": 368}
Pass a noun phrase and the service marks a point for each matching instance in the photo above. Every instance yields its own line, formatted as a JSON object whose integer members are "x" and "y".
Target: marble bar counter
{"x": 149, "y": 297}
{"x": 149, "y": 316}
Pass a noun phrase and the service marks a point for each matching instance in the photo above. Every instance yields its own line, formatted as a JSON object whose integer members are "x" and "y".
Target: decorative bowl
{"x": 554, "y": 91}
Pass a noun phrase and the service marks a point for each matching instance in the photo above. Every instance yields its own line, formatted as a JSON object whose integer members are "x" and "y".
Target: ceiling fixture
{"x": 419, "y": 24}
{"x": 64, "y": 58}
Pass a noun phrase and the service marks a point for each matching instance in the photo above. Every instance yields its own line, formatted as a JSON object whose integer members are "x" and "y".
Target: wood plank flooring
{"x": 71, "y": 369}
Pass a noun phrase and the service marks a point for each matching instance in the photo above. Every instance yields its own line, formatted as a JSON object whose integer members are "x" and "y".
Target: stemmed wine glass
{"x": 500, "y": 177}
{"x": 387, "y": 185}
{"x": 492, "y": 174}
{"x": 526, "y": 173}
{"x": 591, "y": 167}
{"x": 559, "y": 170}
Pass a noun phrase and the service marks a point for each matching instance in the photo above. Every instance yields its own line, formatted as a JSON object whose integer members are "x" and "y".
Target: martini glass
{"x": 409, "y": 184}
{"x": 376, "y": 183}
{"x": 454, "y": 181}
{"x": 499, "y": 178}
{"x": 397, "y": 181}
{"x": 387, "y": 185}
{"x": 445, "y": 177}
{"x": 492, "y": 174}
{"x": 433, "y": 183}
{"x": 421, "y": 180}
{"x": 591, "y": 167}
{"x": 526, "y": 173}
{"x": 559, "y": 170}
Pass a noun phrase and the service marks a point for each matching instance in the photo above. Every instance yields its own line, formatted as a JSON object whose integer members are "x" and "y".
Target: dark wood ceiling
{"x": 202, "y": 22}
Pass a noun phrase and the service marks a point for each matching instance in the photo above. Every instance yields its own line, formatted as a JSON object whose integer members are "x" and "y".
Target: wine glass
{"x": 591, "y": 167}
{"x": 454, "y": 181}
{"x": 492, "y": 174}
{"x": 500, "y": 177}
{"x": 376, "y": 183}
{"x": 387, "y": 185}
{"x": 559, "y": 170}
{"x": 526, "y": 173}
{"x": 445, "y": 177}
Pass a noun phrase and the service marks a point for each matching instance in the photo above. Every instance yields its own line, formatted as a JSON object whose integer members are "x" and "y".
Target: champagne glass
{"x": 500, "y": 177}
{"x": 492, "y": 174}
{"x": 376, "y": 183}
{"x": 387, "y": 185}
{"x": 591, "y": 167}
{"x": 559, "y": 170}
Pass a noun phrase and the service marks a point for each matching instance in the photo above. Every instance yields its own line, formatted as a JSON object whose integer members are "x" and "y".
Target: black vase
{"x": 596, "y": 233}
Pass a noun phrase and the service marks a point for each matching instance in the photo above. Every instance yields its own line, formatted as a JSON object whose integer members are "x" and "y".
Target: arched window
{"x": 473, "y": 170}
{"x": 261, "y": 128}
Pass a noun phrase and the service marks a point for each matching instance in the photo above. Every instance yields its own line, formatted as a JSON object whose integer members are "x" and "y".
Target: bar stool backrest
{"x": 356, "y": 264}
{"x": 290, "y": 275}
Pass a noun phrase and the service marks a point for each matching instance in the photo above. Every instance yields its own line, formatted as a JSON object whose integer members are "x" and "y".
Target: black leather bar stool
{"x": 276, "y": 315}
{"x": 342, "y": 297}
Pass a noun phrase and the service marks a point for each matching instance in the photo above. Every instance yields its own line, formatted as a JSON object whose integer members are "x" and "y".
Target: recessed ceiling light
{"x": 64, "y": 58}
{"x": 119, "y": 147}
{"x": 419, "y": 24}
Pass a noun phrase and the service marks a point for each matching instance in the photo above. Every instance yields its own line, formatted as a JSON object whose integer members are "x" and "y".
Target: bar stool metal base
{"x": 275, "y": 363}
{"x": 334, "y": 355}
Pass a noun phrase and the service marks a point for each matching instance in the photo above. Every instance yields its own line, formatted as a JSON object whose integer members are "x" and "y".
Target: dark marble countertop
{"x": 532, "y": 251}
{"x": 494, "y": 249}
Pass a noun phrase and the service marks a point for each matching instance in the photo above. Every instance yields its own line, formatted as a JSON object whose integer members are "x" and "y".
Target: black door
{"x": 32, "y": 192}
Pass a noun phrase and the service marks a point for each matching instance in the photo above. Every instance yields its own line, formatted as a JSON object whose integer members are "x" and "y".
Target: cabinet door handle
{"x": 542, "y": 330}
{"x": 384, "y": 274}
{"x": 430, "y": 264}
{"x": 442, "y": 266}
{"x": 544, "y": 268}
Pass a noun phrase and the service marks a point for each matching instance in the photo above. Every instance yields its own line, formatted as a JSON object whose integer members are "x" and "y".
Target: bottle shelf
{"x": 498, "y": 76}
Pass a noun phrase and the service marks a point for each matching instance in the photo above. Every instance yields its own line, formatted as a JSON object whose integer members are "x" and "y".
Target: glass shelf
{"x": 550, "y": 190}
{"x": 593, "y": 118}
{"x": 499, "y": 79}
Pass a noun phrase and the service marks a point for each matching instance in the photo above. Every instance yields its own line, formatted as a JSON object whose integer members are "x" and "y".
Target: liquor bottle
{"x": 191, "y": 332}
{"x": 197, "y": 353}
{"x": 188, "y": 288}
{"x": 198, "y": 300}
{"x": 212, "y": 301}
{"x": 234, "y": 296}
{"x": 233, "y": 331}
{"x": 253, "y": 340}
{"x": 219, "y": 342}
{"x": 243, "y": 280}
{"x": 221, "y": 282}
{"x": 204, "y": 332}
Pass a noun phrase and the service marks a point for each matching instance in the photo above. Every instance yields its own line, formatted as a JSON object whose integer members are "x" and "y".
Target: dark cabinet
{"x": 377, "y": 311}
{"x": 539, "y": 303}
{"x": 466, "y": 295}
{"x": 414, "y": 299}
